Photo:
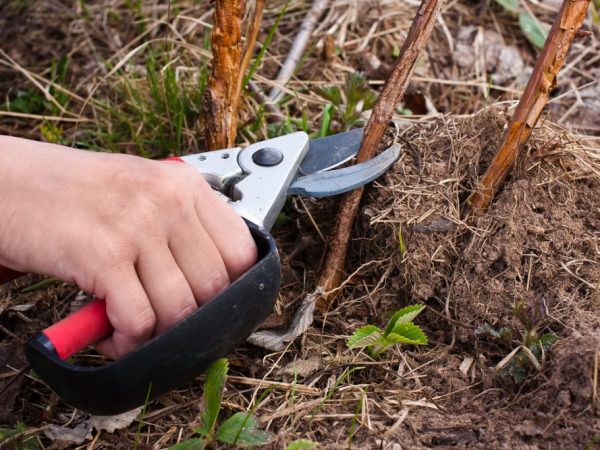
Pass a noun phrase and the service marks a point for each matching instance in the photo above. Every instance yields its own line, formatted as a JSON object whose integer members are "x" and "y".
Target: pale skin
{"x": 150, "y": 237}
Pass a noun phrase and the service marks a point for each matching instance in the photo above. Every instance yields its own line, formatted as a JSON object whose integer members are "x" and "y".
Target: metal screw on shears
{"x": 267, "y": 157}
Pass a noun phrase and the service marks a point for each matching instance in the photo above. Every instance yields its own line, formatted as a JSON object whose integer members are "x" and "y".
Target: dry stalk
{"x": 251, "y": 36}
{"x": 537, "y": 93}
{"x": 298, "y": 47}
{"x": 387, "y": 103}
{"x": 220, "y": 105}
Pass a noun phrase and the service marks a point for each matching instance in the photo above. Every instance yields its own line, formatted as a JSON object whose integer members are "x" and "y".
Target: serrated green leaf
{"x": 405, "y": 315}
{"x": 407, "y": 333}
{"x": 213, "y": 393}
{"x": 190, "y": 444}
{"x": 535, "y": 31}
{"x": 509, "y": 5}
{"x": 364, "y": 336}
{"x": 240, "y": 430}
{"x": 547, "y": 339}
{"x": 301, "y": 444}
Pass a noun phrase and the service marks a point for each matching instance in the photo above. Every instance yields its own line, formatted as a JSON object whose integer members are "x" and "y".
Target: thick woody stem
{"x": 383, "y": 111}
{"x": 543, "y": 79}
{"x": 220, "y": 105}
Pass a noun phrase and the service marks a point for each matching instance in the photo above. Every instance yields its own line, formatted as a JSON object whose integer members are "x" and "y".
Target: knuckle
{"x": 177, "y": 316}
{"x": 143, "y": 325}
{"x": 212, "y": 285}
{"x": 246, "y": 256}
{"x": 114, "y": 247}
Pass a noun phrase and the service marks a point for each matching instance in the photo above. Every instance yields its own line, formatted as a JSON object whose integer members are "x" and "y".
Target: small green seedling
{"x": 399, "y": 330}
{"x": 528, "y": 345}
{"x": 348, "y": 102}
{"x": 239, "y": 430}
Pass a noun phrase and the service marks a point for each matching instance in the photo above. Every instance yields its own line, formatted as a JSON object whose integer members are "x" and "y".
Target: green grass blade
{"x": 509, "y": 5}
{"x": 265, "y": 46}
{"x": 326, "y": 120}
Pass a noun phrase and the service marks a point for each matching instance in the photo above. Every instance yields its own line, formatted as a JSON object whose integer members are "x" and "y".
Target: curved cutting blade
{"x": 331, "y": 151}
{"x": 325, "y": 184}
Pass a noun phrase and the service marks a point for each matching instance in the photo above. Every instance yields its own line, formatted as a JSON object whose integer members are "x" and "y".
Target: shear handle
{"x": 174, "y": 357}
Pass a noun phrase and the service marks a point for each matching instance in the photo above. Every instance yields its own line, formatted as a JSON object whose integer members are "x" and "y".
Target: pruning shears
{"x": 254, "y": 181}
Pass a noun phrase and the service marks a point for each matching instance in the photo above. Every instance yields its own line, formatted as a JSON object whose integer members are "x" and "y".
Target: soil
{"x": 513, "y": 306}
{"x": 530, "y": 262}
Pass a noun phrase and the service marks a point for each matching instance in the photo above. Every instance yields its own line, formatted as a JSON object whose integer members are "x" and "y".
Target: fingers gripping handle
{"x": 79, "y": 330}
{"x": 174, "y": 357}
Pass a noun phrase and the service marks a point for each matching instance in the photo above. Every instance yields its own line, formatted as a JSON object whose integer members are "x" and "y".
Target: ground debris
{"x": 77, "y": 435}
{"x": 503, "y": 271}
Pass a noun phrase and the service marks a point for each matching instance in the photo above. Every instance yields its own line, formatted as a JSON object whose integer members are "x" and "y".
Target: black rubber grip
{"x": 175, "y": 357}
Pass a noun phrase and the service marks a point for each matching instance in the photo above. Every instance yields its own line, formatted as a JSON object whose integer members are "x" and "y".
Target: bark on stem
{"x": 220, "y": 103}
{"x": 537, "y": 93}
{"x": 383, "y": 111}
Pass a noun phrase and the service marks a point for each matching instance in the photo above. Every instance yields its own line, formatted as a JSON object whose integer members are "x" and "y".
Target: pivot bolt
{"x": 267, "y": 157}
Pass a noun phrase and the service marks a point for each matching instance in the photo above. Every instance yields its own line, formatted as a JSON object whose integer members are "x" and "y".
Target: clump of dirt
{"x": 524, "y": 271}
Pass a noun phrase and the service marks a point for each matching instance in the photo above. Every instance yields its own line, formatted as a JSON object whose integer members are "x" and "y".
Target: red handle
{"x": 79, "y": 330}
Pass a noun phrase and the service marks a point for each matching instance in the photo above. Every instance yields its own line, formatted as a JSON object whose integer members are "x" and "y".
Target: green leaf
{"x": 301, "y": 444}
{"x": 364, "y": 336}
{"x": 534, "y": 30}
{"x": 190, "y": 444}
{"x": 27, "y": 102}
{"x": 213, "y": 393}
{"x": 331, "y": 93}
{"x": 405, "y": 315}
{"x": 240, "y": 430}
{"x": 326, "y": 120}
{"x": 547, "y": 339}
{"x": 407, "y": 333}
{"x": 509, "y": 5}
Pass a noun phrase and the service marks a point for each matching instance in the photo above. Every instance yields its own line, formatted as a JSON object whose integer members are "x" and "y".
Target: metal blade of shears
{"x": 331, "y": 151}
{"x": 326, "y": 183}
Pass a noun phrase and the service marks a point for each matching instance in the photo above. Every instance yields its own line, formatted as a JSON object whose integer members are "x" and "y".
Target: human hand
{"x": 150, "y": 237}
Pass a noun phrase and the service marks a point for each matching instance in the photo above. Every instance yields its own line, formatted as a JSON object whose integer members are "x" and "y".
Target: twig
{"x": 252, "y": 33}
{"x": 387, "y": 103}
{"x": 537, "y": 93}
{"x": 275, "y": 114}
{"x": 298, "y": 47}
{"x": 220, "y": 104}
